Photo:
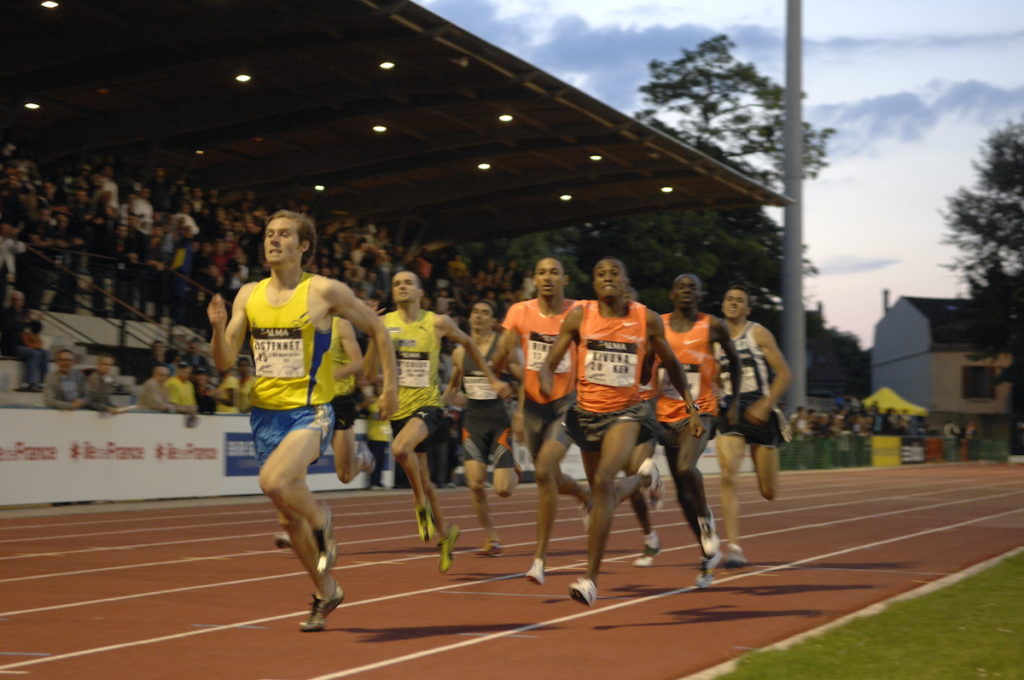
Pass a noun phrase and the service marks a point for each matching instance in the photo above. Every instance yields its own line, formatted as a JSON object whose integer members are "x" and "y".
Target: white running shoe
{"x": 282, "y": 540}
{"x": 652, "y": 546}
{"x": 648, "y": 468}
{"x": 536, "y": 573}
{"x": 735, "y": 559}
{"x": 583, "y": 591}
{"x": 709, "y": 542}
{"x": 367, "y": 463}
{"x": 707, "y": 570}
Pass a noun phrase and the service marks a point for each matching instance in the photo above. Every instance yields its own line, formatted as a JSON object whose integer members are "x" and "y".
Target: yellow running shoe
{"x": 445, "y": 547}
{"x": 425, "y": 522}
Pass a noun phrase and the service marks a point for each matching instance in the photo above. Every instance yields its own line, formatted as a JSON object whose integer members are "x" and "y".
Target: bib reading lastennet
{"x": 278, "y": 352}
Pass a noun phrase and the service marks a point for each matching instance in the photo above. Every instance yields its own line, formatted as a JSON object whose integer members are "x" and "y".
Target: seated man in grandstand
{"x": 153, "y": 393}
{"x": 100, "y": 385}
{"x": 64, "y": 388}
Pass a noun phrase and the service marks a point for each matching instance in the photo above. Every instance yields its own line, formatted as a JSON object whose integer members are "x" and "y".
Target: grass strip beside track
{"x": 971, "y": 629}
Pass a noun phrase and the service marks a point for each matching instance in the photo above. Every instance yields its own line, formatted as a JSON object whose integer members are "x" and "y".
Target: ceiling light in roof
{"x": 565, "y": 197}
{"x": 243, "y": 77}
{"x": 31, "y": 105}
{"x": 319, "y": 187}
{"x": 667, "y": 190}
{"x": 386, "y": 65}
{"x": 380, "y": 128}
{"x": 50, "y": 4}
{"x": 505, "y": 118}
{"x": 484, "y": 166}
{"x": 199, "y": 152}
{"x": 596, "y": 157}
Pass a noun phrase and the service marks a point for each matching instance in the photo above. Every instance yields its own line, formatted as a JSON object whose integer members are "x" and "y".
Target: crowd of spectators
{"x": 849, "y": 417}
{"x": 100, "y": 237}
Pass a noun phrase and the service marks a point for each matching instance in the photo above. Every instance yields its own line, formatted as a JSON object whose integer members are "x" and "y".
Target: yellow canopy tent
{"x": 885, "y": 399}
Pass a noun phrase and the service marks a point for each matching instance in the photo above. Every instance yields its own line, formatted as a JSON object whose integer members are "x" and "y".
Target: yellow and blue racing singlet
{"x": 416, "y": 351}
{"x": 340, "y": 358}
{"x": 292, "y": 368}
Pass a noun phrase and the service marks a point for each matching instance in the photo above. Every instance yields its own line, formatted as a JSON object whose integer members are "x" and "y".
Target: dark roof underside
{"x": 152, "y": 82}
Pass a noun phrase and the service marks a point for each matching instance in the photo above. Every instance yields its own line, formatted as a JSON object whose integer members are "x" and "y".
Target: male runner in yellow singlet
{"x": 418, "y": 423}
{"x": 290, "y": 316}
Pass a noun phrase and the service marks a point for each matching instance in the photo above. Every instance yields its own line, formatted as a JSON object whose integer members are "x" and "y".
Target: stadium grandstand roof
{"x": 456, "y": 139}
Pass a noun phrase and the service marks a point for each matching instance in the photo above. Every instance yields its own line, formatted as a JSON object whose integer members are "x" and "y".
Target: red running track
{"x": 196, "y": 590}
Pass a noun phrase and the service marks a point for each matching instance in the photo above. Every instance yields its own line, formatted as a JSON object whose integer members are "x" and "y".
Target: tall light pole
{"x": 794, "y": 332}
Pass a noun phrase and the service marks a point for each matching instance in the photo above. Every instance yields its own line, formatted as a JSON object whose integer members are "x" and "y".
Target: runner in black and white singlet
{"x": 760, "y": 424}
{"x": 485, "y": 424}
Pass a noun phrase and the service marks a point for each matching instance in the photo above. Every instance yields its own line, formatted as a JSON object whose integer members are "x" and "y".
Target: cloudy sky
{"x": 913, "y": 88}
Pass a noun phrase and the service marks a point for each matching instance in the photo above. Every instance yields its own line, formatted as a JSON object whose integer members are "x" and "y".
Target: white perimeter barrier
{"x": 51, "y": 456}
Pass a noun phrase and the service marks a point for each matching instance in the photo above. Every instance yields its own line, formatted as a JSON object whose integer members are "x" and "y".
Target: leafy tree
{"x": 987, "y": 226}
{"x": 727, "y": 110}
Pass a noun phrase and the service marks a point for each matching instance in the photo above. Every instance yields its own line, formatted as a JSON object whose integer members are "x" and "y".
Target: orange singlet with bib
{"x": 693, "y": 349}
{"x": 610, "y": 353}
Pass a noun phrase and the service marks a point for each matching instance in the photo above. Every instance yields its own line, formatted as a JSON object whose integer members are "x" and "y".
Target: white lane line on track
{"x": 568, "y": 506}
{"x": 591, "y": 612}
{"x": 521, "y": 629}
{"x": 401, "y": 505}
{"x": 344, "y": 544}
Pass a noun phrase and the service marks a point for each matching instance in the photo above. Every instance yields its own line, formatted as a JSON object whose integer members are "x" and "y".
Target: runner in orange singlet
{"x": 534, "y": 325}
{"x": 612, "y": 336}
{"x": 691, "y": 334}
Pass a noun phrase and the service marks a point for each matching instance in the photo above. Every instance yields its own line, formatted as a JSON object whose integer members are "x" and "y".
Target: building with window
{"x": 919, "y": 352}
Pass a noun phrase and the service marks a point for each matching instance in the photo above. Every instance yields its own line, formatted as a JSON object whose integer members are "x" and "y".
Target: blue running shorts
{"x": 269, "y": 427}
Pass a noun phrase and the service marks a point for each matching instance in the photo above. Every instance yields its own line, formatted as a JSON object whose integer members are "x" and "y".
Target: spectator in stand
{"x": 33, "y": 354}
{"x": 155, "y": 258}
{"x": 33, "y": 271}
{"x": 245, "y": 381}
{"x": 153, "y": 394}
{"x": 67, "y": 284}
{"x": 195, "y": 358}
{"x": 184, "y": 221}
{"x": 139, "y": 207}
{"x": 161, "y": 191}
{"x": 226, "y": 394}
{"x": 100, "y": 386}
{"x": 800, "y": 425}
{"x": 378, "y": 436}
{"x": 125, "y": 249}
{"x": 206, "y": 399}
{"x": 10, "y": 248}
{"x": 13, "y": 317}
{"x": 64, "y": 388}
{"x": 180, "y": 391}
